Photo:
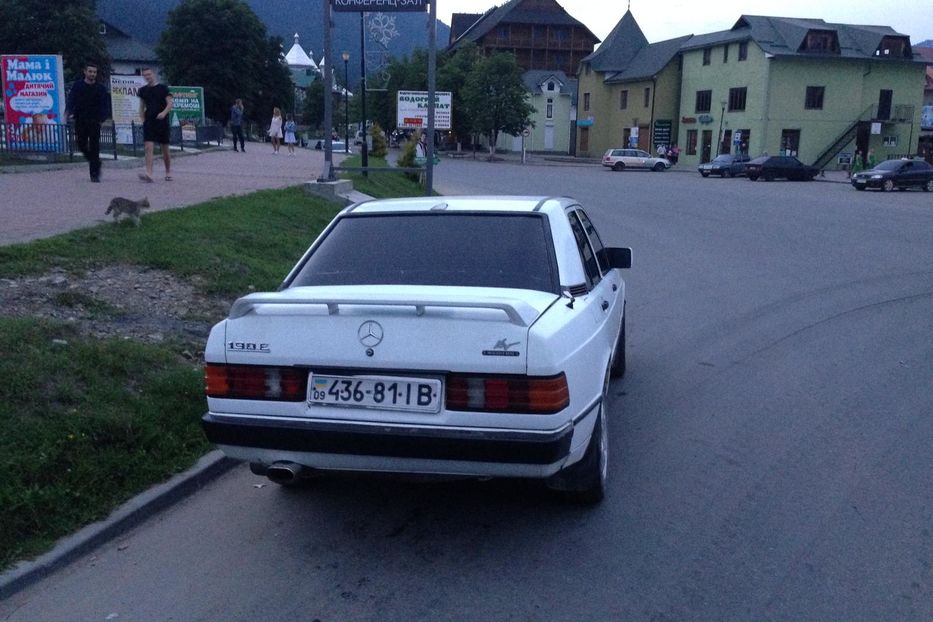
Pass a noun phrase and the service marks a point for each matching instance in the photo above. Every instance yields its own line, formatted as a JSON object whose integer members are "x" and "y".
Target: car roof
{"x": 491, "y": 203}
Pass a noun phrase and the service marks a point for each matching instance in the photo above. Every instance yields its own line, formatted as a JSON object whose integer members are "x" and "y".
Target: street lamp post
{"x": 719, "y": 138}
{"x": 364, "y": 146}
{"x": 346, "y": 102}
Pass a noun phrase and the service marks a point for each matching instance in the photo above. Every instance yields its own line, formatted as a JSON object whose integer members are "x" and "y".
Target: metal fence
{"x": 55, "y": 142}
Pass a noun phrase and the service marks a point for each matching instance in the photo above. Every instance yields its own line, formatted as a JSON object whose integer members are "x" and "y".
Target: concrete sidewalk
{"x": 43, "y": 202}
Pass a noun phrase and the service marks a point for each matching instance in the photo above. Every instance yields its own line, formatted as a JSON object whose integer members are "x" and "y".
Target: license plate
{"x": 379, "y": 392}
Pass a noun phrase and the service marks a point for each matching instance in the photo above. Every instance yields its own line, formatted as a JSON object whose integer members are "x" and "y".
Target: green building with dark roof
{"x": 803, "y": 87}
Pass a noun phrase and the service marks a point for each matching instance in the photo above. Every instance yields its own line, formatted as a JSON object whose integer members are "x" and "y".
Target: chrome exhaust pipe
{"x": 284, "y": 472}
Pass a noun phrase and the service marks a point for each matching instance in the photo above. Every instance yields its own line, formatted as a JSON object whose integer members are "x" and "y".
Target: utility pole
{"x": 365, "y": 149}
{"x": 328, "y": 173}
{"x": 432, "y": 66}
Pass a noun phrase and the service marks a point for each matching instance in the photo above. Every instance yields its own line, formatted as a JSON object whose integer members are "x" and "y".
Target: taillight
{"x": 252, "y": 382}
{"x": 514, "y": 394}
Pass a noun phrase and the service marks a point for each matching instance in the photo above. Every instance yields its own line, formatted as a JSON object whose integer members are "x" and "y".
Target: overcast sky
{"x": 666, "y": 19}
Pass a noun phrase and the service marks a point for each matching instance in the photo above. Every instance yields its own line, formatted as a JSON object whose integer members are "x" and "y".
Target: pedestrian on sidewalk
{"x": 275, "y": 129}
{"x": 236, "y": 123}
{"x": 155, "y": 104}
{"x": 290, "y": 128}
{"x": 88, "y": 104}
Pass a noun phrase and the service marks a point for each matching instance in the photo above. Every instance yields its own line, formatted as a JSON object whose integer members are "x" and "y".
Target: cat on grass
{"x": 127, "y": 208}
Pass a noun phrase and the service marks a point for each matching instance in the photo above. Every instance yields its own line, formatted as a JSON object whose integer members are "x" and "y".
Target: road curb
{"x": 108, "y": 162}
{"x": 133, "y": 512}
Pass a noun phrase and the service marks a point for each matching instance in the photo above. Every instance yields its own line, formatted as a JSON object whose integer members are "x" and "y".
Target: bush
{"x": 409, "y": 151}
{"x": 380, "y": 146}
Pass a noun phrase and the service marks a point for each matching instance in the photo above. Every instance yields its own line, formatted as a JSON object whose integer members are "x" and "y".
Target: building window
{"x": 647, "y": 97}
{"x": 743, "y": 50}
{"x": 586, "y": 101}
{"x": 814, "y": 99}
{"x": 707, "y": 55}
{"x": 725, "y": 53}
{"x": 737, "y": 98}
{"x": 550, "y": 108}
{"x": 820, "y": 42}
{"x": 889, "y": 141}
{"x": 704, "y": 101}
{"x": 623, "y": 100}
{"x": 103, "y": 29}
{"x": 550, "y": 86}
{"x": 691, "y": 142}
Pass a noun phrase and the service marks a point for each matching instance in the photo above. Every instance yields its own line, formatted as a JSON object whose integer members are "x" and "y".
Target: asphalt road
{"x": 770, "y": 447}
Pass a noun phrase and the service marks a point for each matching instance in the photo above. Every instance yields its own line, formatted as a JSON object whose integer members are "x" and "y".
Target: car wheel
{"x": 658, "y": 167}
{"x": 888, "y": 185}
{"x": 584, "y": 482}
{"x": 618, "y": 362}
{"x": 704, "y": 174}
{"x": 928, "y": 187}
{"x": 860, "y": 188}
{"x": 618, "y": 166}
{"x": 730, "y": 173}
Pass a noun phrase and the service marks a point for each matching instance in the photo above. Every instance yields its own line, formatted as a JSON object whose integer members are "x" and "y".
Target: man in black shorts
{"x": 155, "y": 104}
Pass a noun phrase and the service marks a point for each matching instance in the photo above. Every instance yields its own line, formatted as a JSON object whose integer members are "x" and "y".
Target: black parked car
{"x": 900, "y": 174}
{"x": 724, "y": 165}
{"x": 775, "y": 167}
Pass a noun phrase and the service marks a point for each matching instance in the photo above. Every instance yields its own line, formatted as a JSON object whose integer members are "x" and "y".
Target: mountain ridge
{"x": 145, "y": 20}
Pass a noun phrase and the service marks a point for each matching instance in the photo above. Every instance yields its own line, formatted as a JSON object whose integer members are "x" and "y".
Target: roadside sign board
{"x": 124, "y": 102}
{"x": 412, "y": 110}
{"x": 382, "y": 6}
{"x": 187, "y": 109}
{"x": 33, "y": 95}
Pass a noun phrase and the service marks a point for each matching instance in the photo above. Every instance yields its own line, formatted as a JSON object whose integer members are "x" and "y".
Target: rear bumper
{"x": 373, "y": 447}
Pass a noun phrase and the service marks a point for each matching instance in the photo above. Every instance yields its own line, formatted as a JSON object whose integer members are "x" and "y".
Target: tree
{"x": 223, "y": 46}
{"x": 314, "y": 105}
{"x": 69, "y": 27}
{"x": 495, "y": 98}
{"x": 452, "y": 73}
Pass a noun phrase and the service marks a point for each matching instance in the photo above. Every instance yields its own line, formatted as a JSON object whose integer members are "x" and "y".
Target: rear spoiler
{"x": 519, "y": 312}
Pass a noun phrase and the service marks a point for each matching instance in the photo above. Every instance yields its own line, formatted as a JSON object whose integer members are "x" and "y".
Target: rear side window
{"x": 436, "y": 248}
{"x": 587, "y": 256}
{"x": 595, "y": 241}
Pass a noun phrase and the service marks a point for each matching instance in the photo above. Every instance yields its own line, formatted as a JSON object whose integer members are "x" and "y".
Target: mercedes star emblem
{"x": 370, "y": 333}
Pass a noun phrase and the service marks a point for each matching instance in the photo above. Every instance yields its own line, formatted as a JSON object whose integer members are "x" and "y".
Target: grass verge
{"x": 86, "y": 424}
{"x": 381, "y": 185}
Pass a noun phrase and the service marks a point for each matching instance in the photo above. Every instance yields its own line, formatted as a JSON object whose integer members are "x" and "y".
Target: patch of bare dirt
{"x": 127, "y": 302}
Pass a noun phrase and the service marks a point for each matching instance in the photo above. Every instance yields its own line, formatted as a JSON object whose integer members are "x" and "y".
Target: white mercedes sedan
{"x": 459, "y": 336}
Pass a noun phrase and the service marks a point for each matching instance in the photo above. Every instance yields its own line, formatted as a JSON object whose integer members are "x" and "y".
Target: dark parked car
{"x": 900, "y": 174}
{"x": 775, "y": 167}
{"x": 724, "y": 165}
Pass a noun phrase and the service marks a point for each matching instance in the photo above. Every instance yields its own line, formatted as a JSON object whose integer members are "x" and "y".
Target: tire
{"x": 731, "y": 174}
{"x": 888, "y": 185}
{"x": 658, "y": 167}
{"x": 618, "y": 362}
{"x": 928, "y": 187}
{"x": 584, "y": 482}
{"x": 618, "y": 166}
{"x": 860, "y": 188}
{"x": 753, "y": 178}
{"x": 704, "y": 174}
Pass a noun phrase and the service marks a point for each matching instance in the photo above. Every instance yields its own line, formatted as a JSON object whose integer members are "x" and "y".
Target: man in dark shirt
{"x": 155, "y": 104}
{"x": 89, "y": 104}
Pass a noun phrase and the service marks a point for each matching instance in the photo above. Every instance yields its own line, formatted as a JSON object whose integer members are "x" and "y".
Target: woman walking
{"x": 275, "y": 129}
{"x": 290, "y": 129}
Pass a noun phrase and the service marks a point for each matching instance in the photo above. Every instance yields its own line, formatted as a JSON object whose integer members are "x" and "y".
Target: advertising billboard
{"x": 33, "y": 94}
{"x": 187, "y": 109}
{"x": 412, "y": 110}
{"x": 124, "y": 101}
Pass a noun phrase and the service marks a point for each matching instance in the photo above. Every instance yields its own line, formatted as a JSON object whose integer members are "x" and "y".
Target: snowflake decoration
{"x": 382, "y": 28}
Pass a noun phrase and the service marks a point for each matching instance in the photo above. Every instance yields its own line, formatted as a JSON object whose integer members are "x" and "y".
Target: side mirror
{"x": 620, "y": 258}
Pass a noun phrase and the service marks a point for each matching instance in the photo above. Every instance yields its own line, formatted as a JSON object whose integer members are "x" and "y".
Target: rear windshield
{"x": 461, "y": 249}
